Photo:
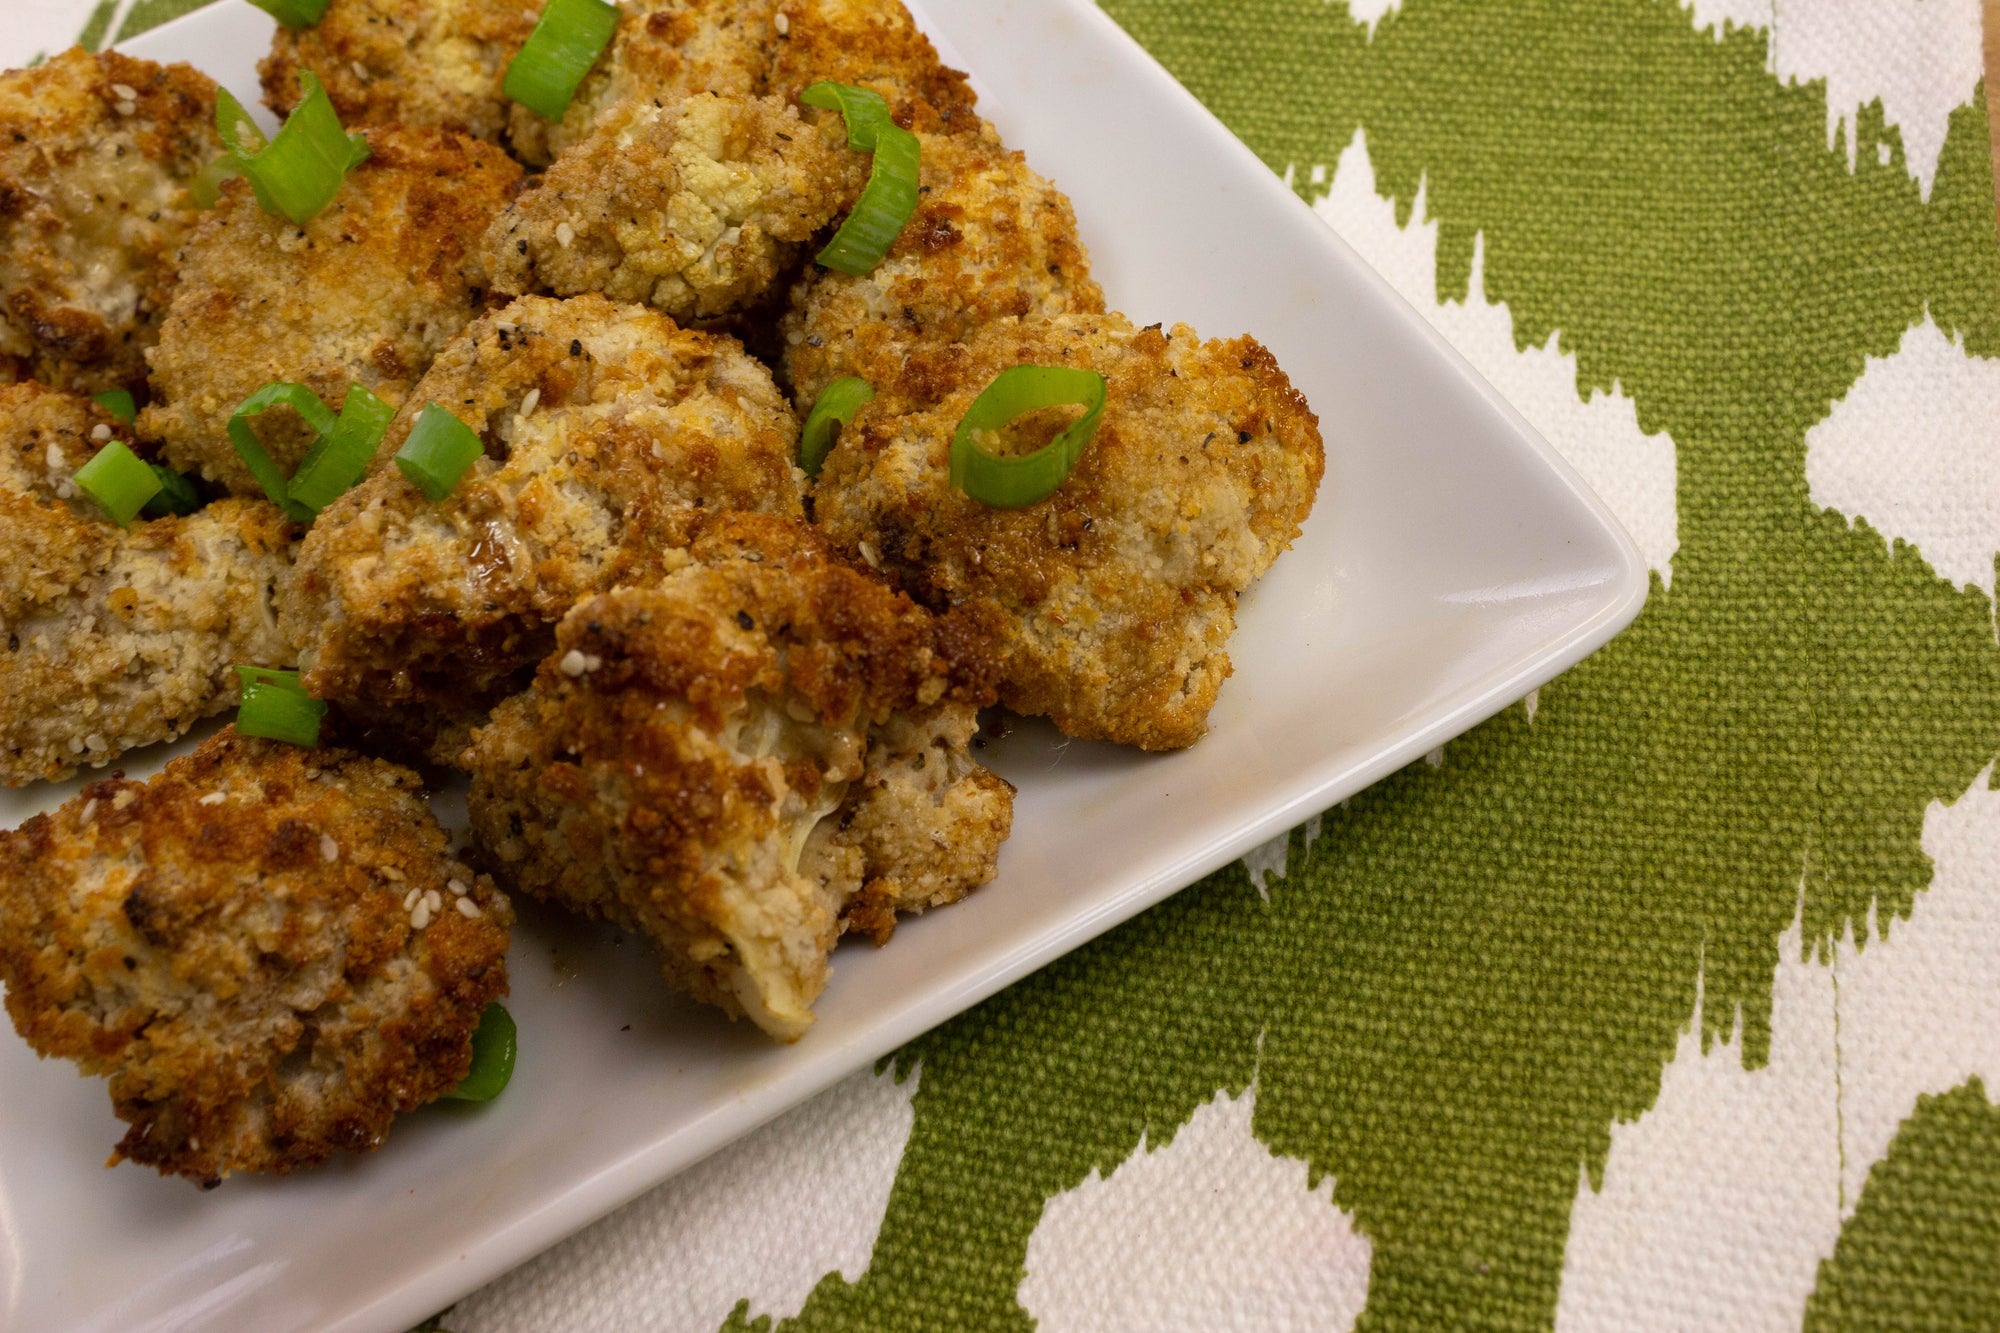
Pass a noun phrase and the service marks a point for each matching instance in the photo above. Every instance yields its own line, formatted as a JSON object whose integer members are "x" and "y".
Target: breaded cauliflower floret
{"x": 366, "y": 293}
{"x": 662, "y": 51}
{"x": 694, "y": 208}
{"x": 989, "y": 239}
{"x": 711, "y": 759}
{"x": 95, "y": 155}
{"x": 116, "y": 638}
{"x": 608, "y": 431}
{"x": 433, "y": 64}
{"x": 1120, "y": 588}
{"x": 871, "y": 44}
{"x": 263, "y": 948}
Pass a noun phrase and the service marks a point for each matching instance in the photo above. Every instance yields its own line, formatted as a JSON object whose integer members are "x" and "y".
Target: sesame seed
{"x": 125, "y": 92}
{"x": 422, "y": 916}
{"x": 782, "y": 23}
{"x": 329, "y": 850}
{"x": 213, "y": 798}
{"x": 360, "y": 70}
{"x": 433, "y": 899}
{"x": 89, "y": 808}
{"x": 467, "y": 908}
{"x": 565, "y": 234}
{"x": 572, "y": 664}
{"x": 127, "y": 108}
{"x": 98, "y": 433}
{"x": 96, "y": 742}
{"x": 457, "y": 886}
{"x": 53, "y": 457}
{"x": 391, "y": 873}
{"x": 530, "y": 401}
{"x": 411, "y": 899}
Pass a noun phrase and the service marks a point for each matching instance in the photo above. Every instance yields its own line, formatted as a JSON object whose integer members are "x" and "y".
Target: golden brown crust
{"x": 430, "y": 64}
{"x": 95, "y": 154}
{"x": 870, "y": 44}
{"x": 114, "y": 638}
{"x": 633, "y": 429}
{"x": 704, "y": 759}
{"x": 1120, "y": 588}
{"x": 230, "y": 944}
{"x": 662, "y": 51}
{"x": 989, "y": 239}
{"x": 365, "y": 293}
{"x": 693, "y": 209}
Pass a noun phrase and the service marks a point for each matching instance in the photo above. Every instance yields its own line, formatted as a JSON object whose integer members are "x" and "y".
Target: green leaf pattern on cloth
{"x": 1491, "y": 975}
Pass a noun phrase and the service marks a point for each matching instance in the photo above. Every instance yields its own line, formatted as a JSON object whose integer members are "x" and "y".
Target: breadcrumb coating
{"x": 95, "y": 155}
{"x": 430, "y": 64}
{"x": 1120, "y": 588}
{"x": 989, "y": 239}
{"x": 694, "y": 208}
{"x": 116, "y": 638}
{"x": 608, "y": 430}
{"x": 662, "y": 51}
{"x": 716, "y": 758}
{"x": 234, "y": 945}
{"x": 366, "y": 293}
{"x": 870, "y": 44}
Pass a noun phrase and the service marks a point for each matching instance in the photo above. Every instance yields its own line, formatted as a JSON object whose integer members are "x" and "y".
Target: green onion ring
{"x": 493, "y": 1048}
{"x": 439, "y": 449}
{"x": 838, "y": 402}
{"x": 250, "y": 449}
{"x": 119, "y": 482}
{"x": 293, "y": 13}
{"x": 1013, "y": 483}
{"x": 118, "y": 402}
{"x": 566, "y": 42}
{"x": 886, "y": 202}
{"x": 297, "y": 173}
{"x": 276, "y": 706}
{"x": 341, "y": 455}
{"x": 177, "y": 495}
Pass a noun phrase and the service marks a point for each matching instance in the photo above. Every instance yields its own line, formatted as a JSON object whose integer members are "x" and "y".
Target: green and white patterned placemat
{"x": 1669, "y": 999}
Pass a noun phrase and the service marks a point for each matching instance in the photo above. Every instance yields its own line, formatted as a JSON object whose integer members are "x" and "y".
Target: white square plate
{"x": 1453, "y": 564}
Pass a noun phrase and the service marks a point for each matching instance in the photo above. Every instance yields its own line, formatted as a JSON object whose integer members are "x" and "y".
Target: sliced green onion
{"x": 890, "y": 196}
{"x": 439, "y": 450}
{"x": 276, "y": 706}
{"x": 118, "y": 481}
{"x": 1011, "y": 483}
{"x": 566, "y": 42}
{"x": 293, "y": 13}
{"x": 492, "y": 1057}
{"x": 838, "y": 402}
{"x": 206, "y": 186}
{"x": 297, "y": 173}
{"x": 250, "y": 449}
{"x": 339, "y": 457}
{"x": 177, "y": 494}
{"x": 118, "y": 402}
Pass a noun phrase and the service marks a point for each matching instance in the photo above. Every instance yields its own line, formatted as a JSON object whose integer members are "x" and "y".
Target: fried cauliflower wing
{"x": 662, "y": 51}
{"x": 430, "y": 64}
{"x": 263, "y": 948}
{"x": 366, "y": 293}
{"x": 712, "y": 759}
{"x": 1120, "y": 588}
{"x": 989, "y": 239}
{"x": 693, "y": 208}
{"x": 116, "y": 638}
{"x": 608, "y": 430}
{"x": 870, "y": 44}
{"x": 95, "y": 155}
